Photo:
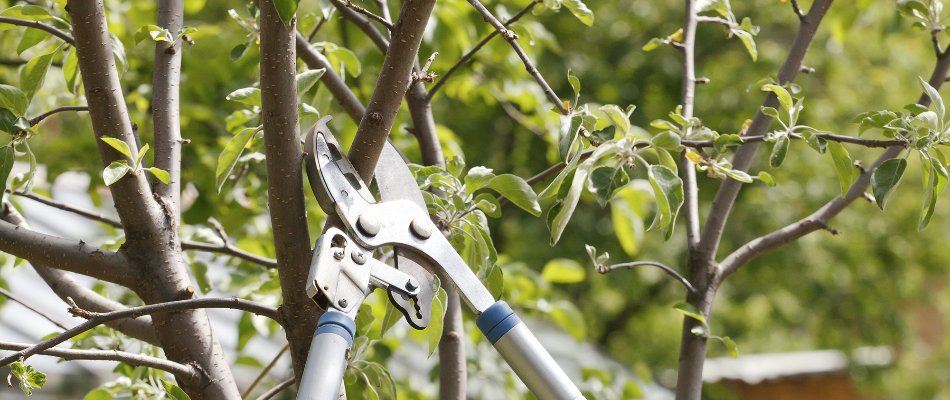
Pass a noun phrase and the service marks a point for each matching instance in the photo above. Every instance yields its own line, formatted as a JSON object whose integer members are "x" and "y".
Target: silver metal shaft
{"x": 536, "y": 368}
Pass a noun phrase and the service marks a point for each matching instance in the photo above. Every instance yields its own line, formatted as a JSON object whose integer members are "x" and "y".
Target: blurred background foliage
{"x": 878, "y": 282}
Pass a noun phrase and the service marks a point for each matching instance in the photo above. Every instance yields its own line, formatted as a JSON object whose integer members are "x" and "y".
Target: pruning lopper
{"x": 343, "y": 271}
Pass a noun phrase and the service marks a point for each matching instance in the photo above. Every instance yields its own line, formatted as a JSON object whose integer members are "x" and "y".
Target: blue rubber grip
{"x": 497, "y": 320}
{"x": 337, "y": 323}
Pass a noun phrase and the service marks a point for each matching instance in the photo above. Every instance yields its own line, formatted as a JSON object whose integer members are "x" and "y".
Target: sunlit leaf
{"x": 286, "y": 10}
{"x": 885, "y": 178}
{"x": 843, "y": 165}
{"x": 580, "y": 10}
{"x": 563, "y": 270}
{"x": 668, "y": 190}
{"x": 120, "y": 145}
{"x": 229, "y": 156}
{"x": 13, "y": 99}
{"x": 115, "y": 171}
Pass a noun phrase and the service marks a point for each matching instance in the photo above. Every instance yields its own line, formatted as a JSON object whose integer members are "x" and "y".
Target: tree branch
{"x": 141, "y": 215}
{"x": 798, "y": 10}
{"x": 186, "y": 372}
{"x": 165, "y": 106}
{"x": 603, "y": 269}
{"x": 820, "y": 218}
{"x": 726, "y": 196}
{"x": 16, "y": 299}
{"x": 231, "y": 250}
{"x": 285, "y": 194}
{"x": 95, "y": 319}
{"x": 65, "y": 254}
{"x": 391, "y": 87}
{"x": 512, "y": 38}
{"x": 342, "y": 93}
{"x": 364, "y": 25}
{"x": 263, "y": 373}
{"x": 67, "y": 288}
{"x": 37, "y": 25}
{"x": 43, "y": 116}
{"x": 276, "y": 389}
{"x": 688, "y": 99}
{"x": 70, "y": 208}
{"x": 471, "y": 53}
{"x": 367, "y": 13}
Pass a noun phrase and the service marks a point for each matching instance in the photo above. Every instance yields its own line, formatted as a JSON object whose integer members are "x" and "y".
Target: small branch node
{"x": 806, "y": 69}
{"x": 824, "y": 225}
{"x": 703, "y": 80}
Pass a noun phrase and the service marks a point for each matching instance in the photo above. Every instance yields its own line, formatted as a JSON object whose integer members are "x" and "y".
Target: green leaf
{"x": 13, "y": 99}
{"x": 723, "y": 142}
{"x": 436, "y": 320}
{"x": 767, "y": 179}
{"x": 784, "y": 98}
{"x": 575, "y": 83}
{"x": 580, "y": 10}
{"x": 345, "y": 60}
{"x": 605, "y": 181}
{"x": 731, "y": 346}
{"x": 6, "y": 165}
{"x": 160, "y": 174}
{"x": 28, "y": 12}
{"x": 238, "y": 51}
{"x": 488, "y": 204}
{"x": 28, "y": 377}
{"x": 652, "y": 44}
{"x": 119, "y": 145}
{"x": 559, "y": 216}
{"x": 30, "y": 38}
{"x": 935, "y": 181}
{"x": 286, "y": 10}
{"x": 495, "y": 281}
{"x": 115, "y": 171}
{"x": 885, "y": 178}
{"x": 748, "y": 41}
{"x": 390, "y": 319}
{"x": 569, "y": 318}
{"x": 668, "y": 140}
{"x": 934, "y": 98}
{"x": 477, "y": 178}
{"x": 250, "y": 96}
{"x": 689, "y": 311}
{"x": 306, "y": 79}
{"x": 34, "y": 73}
{"x": 843, "y": 165}
{"x": 155, "y": 33}
{"x": 99, "y": 394}
{"x": 142, "y": 152}
{"x": 779, "y": 151}
{"x": 668, "y": 190}
{"x": 229, "y": 156}
{"x": 617, "y": 116}
{"x": 200, "y": 271}
{"x": 515, "y": 188}
{"x": 71, "y": 71}
{"x": 563, "y": 270}
{"x": 174, "y": 392}
{"x": 626, "y": 213}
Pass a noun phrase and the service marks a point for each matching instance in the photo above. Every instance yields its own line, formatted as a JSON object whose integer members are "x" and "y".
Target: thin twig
{"x": 368, "y": 13}
{"x": 716, "y": 20}
{"x": 23, "y": 303}
{"x": 34, "y": 24}
{"x": 276, "y": 389}
{"x": 512, "y": 39}
{"x": 471, "y": 53}
{"x": 231, "y": 250}
{"x": 870, "y": 143}
{"x": 70, "y": 208}
{"x": 603, "y": 269}
{"x": 264, "y": 371}
{"x": 186, "y": 372}
{"x": 313, "y": 32}
{"x": 798, "y": 10}
{"x": 43, "y": 116}
{"x": 95, "y": 319}
{"x": 363, "y": 24}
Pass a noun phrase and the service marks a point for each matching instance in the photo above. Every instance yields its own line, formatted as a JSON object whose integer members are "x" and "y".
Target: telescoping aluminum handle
{"x": 323, "y": 374}
{"x": 525, "y": 355}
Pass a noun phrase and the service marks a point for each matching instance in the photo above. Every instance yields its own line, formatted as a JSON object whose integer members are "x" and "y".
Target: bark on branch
{"x": 165, "y": 105}
{"x": 187, "y": 372}
{"x": 37, "y": 25}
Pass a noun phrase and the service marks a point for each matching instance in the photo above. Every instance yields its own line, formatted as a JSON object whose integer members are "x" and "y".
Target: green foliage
{"x": 27, "y": 377}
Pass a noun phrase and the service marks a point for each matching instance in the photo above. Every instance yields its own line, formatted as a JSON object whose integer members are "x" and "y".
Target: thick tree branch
{"x": 96, "y": 319}
{"x": 43, "y": 116}
{"x": 69, "y": 255}
{"x": 140, "y": 213}
{"x": 165, "y": 106}
{"x": 512, "y": 39}
{"x": 726, "y": 196}
{"x": 66, "y": 287}
{"x": 186, "y": 372}
{"x": 391, "y": 86}
{"x": 285, "y": 179}
{"x": 471, "y": 53}
{"x": 37, "y": 25}
{"x": 342, "y": 93}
